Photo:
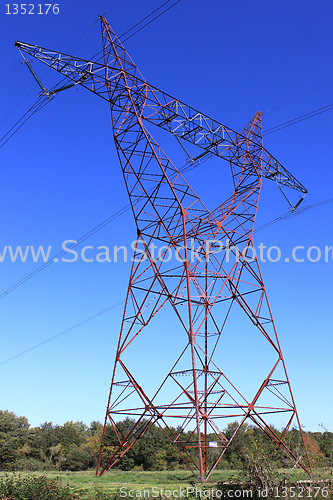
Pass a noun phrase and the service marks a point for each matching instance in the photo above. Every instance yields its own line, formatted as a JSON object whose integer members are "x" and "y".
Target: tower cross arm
{"x": 215, "y": 138}
{"x": 90, "y": 74}
{"x": 165, "y": 111}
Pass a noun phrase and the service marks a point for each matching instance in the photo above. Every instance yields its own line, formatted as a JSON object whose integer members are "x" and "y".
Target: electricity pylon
{"x": 206, "y": 268}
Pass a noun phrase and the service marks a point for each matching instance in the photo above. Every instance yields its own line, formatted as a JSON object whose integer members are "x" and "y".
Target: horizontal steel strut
{"x": 163, "y": 110}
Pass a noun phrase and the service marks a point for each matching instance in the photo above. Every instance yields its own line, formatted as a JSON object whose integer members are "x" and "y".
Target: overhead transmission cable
{"x": 113, "y": 306}
{"x": 296, "y": 98}
{"x": 63, "y": 252}
{"x": 46, "y": 100}
{"x": 100, "y": 313}
{"x": 150, "y": 21}
{"x": 7, "y": 116}
{"x": 43, "y": 342}
{"x": 276, "y": 128}
{"x": 141, "y": 28}
{"x": 93, "y": 24}
{"x": 292, "y": 213}
{"x": 298, "y": 119}
{"x": 115, "y": 216}
{"x": 56, "y": 257}
{"x": 38, "y": 105}
{"x": 153, "y": 12}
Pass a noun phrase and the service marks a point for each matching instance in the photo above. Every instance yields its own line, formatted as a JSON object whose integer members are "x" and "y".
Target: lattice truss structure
{"x": 212, "y": 278}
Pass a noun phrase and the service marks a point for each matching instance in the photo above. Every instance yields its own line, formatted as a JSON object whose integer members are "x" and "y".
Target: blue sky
{"x": 61, "y": 178}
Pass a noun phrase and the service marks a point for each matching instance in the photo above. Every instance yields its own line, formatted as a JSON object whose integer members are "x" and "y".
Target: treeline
{"x": 75, "y": 446}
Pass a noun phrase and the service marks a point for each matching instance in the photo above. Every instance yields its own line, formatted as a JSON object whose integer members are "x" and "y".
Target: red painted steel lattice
{"x": 197, "y": 396}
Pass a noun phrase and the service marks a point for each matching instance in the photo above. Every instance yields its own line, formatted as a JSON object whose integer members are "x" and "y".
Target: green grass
{"x": 104, "y": 487}
{"x": 133, "y": 480}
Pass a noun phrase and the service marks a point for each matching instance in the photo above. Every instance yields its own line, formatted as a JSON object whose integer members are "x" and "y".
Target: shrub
{"x": 16, "y": 487}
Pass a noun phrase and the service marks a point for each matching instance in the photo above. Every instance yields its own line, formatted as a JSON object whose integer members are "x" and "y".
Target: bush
{"x": 29, "y": 464}
{"x": 16, "y": 487}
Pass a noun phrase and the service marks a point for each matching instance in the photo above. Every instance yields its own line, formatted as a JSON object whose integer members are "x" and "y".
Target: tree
{"x": 14, "y": 436}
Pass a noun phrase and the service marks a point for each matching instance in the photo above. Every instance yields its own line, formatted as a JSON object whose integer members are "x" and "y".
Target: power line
{"x": 50, "y": 69}
{"x": 93, "y": 24}
{"x": 290, "y": 214}
{"x": 46, "y": 100}
{"x": 299, "y": 119}
{"x": 63, "y": 252}
{"x": 39, "y": 104}
{"x": 123, "y": 34}
{"x": 299, "y": 97}
{"x": 95, "y": 230}
{"x": 151, "y": 21}
{"x": 153, "y": 12}
{"x": 36, "y": 106}
{"x": 87, "y": 320}
{"x": 115, "y": 216}
{"x": 118, "y": 214}
{"x": 56, "y": 257}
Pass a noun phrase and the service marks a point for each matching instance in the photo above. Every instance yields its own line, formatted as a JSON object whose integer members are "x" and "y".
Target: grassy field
{"x": 93, "y": 487}
{"x": 113, "y": 480}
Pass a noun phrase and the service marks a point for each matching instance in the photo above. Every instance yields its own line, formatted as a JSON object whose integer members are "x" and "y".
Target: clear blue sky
{"x": 60, "y": 178}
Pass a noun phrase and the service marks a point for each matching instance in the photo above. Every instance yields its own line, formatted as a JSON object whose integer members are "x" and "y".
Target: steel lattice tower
{"x": 213, "y": 269}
